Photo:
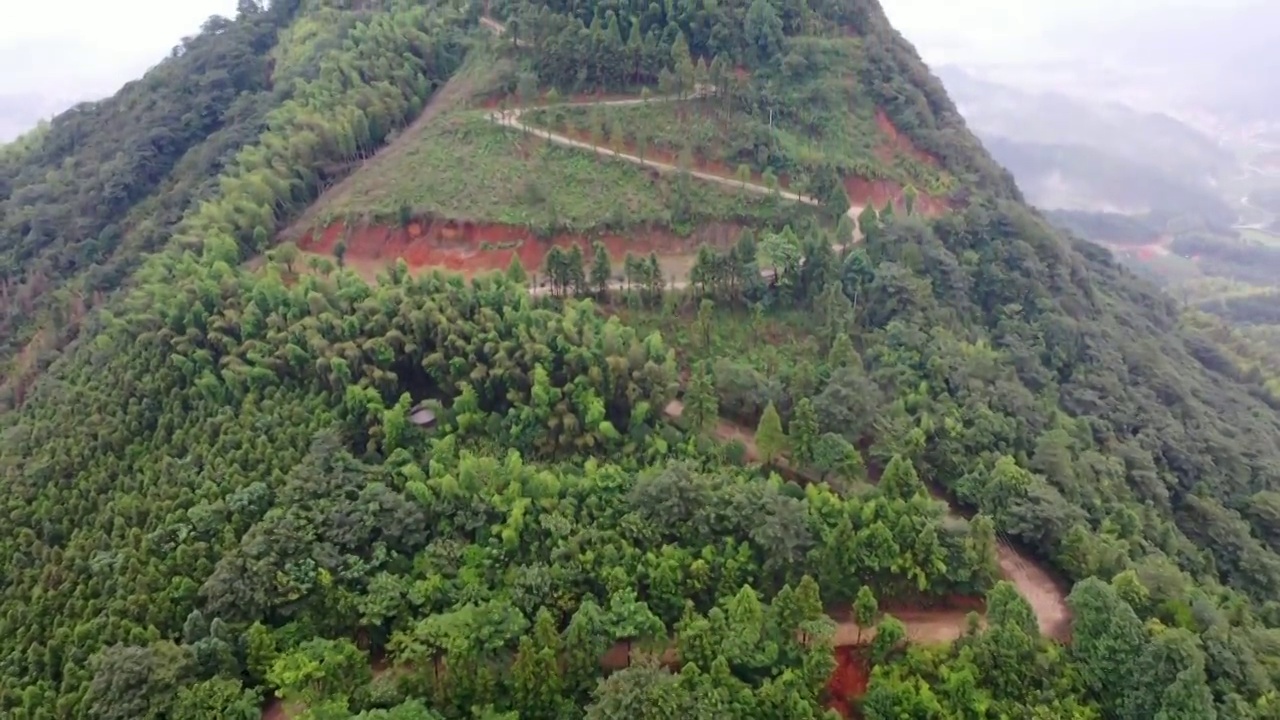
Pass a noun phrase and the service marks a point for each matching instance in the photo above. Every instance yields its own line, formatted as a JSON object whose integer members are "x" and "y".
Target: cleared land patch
{"x": 465, "y": 167}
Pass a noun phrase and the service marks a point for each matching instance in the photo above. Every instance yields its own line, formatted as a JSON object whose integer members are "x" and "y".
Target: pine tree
{"x": 842, "y": 354}
{"x": 865, "y": 608}
{"x": 601, "y": 269}
{"x": 515, "y": 270}
{"x": 705, "y": 314}
{"x": 868, "y": 222}
{"x": 535, "y": 674}
{"x": 585, "y": 640}
{"x": 771, "y": 442}
{"x": 804, "y": 431}
{"x": 900, "y": 480}
{"x": 701, "y": 407}
{"x": 837, "y": 315}
{"x": 654, "y": 277}
{"x": 909, "y": 199}
{"x": 575, "y": 270}
{"x": 682, "y": 66}
{"x": 554, "y": 267}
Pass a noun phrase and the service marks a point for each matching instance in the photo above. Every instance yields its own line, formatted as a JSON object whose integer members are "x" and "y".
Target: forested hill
{"x": 259, "y": 483}
{"x": 83, "y": 199}
{"x": 86, "y": 195}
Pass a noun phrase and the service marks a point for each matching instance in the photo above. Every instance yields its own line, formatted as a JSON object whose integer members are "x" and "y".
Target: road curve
{"x": 1047, "y": 597}
{"x": 511, "y": 119}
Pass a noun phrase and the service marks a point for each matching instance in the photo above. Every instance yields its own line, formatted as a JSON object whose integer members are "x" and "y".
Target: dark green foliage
{"x": 222, "y": 490}
{"x": 221, "y": 136}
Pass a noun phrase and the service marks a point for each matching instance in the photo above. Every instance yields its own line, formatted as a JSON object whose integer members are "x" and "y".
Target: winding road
{"x": 511, "y": 119}
{"x": 1046, "y": 595}
{"x": 927, "y": 626}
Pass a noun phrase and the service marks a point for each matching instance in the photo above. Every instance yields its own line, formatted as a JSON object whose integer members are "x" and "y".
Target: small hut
{"x": 422, "y": 416}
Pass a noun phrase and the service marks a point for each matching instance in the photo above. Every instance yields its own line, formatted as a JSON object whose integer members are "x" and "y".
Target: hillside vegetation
{"x": 224, "y": 498}
{"x": 234, "y": 117}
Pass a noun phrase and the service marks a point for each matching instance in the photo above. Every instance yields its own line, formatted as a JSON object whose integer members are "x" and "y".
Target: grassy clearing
{"x": 482, "y": 71}
{"x": 463, "y": 166}
{"x": 724, "y": 138}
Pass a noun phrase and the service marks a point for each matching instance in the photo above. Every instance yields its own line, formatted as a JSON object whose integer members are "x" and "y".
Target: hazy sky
{"x": 994, "y": 30}
{"x": 54, "y": 52}
{"x": 73, "y": 48}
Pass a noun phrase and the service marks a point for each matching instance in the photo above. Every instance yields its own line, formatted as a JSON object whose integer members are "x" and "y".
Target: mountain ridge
{"x": 248, "y": 473}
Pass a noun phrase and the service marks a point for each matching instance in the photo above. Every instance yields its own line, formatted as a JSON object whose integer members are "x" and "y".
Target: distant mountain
{"x": 1149, "y": 138}
{"x": 1071, "y": 154}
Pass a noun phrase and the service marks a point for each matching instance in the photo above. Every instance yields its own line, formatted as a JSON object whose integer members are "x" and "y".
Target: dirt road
{"x": 925, "y": 626}
{"x": 511, "y": 119}
{"x": 1047, "y": 597}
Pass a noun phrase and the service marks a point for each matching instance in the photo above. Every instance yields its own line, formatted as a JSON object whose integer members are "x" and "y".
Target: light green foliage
{"x": 803, "y": 433}
{"x": 319, "y": 670}
{"x": 217, "y": 699}
{"x": 770, "y": 440}
{"x": 464, "y": 166}
{"x": 516, "y": 272}
{"x": 865, "y": 607}
{"x": 215, "y": 492}
{"x": 701, "y": 407}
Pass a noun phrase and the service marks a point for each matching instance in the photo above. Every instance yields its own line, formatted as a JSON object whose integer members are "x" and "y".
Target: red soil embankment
{"x": 849, "y": 681}
{"x": 899, "y": 144}
{"x": 879, "y": 192}
{"x": 472, "y": 248}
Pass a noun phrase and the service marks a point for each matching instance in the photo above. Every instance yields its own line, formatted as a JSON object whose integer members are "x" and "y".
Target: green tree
{"x": 575, "y": 271}
{"x": 641, "y": 692}
{"x": 764, "y": 31}
{"x": 601, "y": 269}
{"x": 771, "y": 442}
{"x": 890, "y": 634}
{"x": 705, "y": 315}
{"x": 535, "y": 673}
{"x": 900, "y": 479}
{"x": 586, "y": 638}
{"x": 515, "y": 270}
{"x": 1107, "y": 642}
{"x": 1007, "y": 651}
{"x": 865, "y": 608}
{"x": 701, "y": 406}
{"x": 137, "y": 682}
{"x": 833, "y": 455}
{"x": 320, "y": 670}
{"x": 217, "y": 699}
{"x": 804, "y": 432}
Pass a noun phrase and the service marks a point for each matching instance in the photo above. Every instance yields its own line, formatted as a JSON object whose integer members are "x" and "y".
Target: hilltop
{"x": 940, "y": 462}
{"x": 708, "y": 139}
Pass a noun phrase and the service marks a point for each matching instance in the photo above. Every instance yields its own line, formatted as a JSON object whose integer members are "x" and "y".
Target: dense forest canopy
{"x": 222, "y": 491}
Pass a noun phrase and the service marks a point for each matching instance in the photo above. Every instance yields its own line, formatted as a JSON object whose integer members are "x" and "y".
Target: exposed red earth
{"x": 471, "y": 248}
{"x": 474, "y": 247}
